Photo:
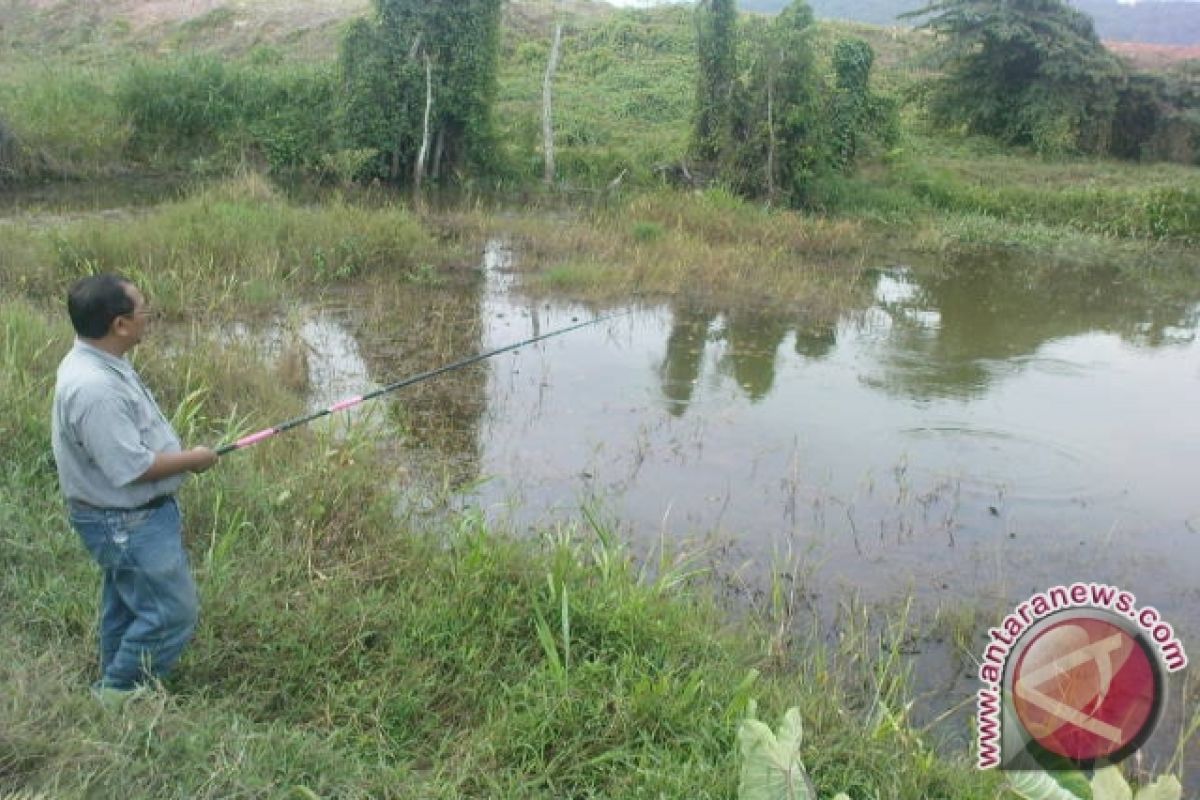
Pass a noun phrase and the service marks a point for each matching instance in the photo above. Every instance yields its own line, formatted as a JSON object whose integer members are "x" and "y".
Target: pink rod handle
{"x": 254, "y": 438}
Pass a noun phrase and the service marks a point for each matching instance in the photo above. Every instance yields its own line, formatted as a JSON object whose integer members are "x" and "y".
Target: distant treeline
{"x": 1153, "y": 22}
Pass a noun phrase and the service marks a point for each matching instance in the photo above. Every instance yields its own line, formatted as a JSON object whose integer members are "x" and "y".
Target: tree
{"x": 769, "y": 131}
{"x": 716, "y": 42}
{"x": 782, "y": 129}
{"x": 418, "y": 62}
{"x": 1028, "y": 72}
{"x": 852, "y": 59}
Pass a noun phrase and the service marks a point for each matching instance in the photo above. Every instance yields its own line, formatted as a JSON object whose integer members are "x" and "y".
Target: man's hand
{"x": 203, "y": 458}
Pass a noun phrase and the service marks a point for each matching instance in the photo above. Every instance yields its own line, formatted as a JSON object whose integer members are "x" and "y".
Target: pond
{"x": 980, "y": 432}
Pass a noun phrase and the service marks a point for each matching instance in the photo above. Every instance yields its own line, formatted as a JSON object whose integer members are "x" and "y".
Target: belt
{"x": 157, "y": 502}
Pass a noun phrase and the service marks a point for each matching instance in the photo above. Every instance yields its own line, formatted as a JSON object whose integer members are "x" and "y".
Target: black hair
{"x": 95, "y": 301}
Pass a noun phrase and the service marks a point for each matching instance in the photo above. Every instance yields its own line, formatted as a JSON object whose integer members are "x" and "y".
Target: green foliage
{"x": 199, "y": 105}
{"x": 716, "y": 50}
{"x": 1029, "y": 72}
{"x": 378, "y": 110}
{"x": 233, "y": 240}
{"x": 1158, "y": 118}
{"x": 647, "y": 231}
{"x": 771, "y": 768}
{"x": 59, "y": 121}
{"x": 1153, "y": 212}
{"x": 1106, "y": 783}
{"x": 783, "y": 129}
{"x": 852, "y": 59}
{"x": 623, "y": 97}
{"x": 384, "y": 86}
{"x": 780, "y": 126}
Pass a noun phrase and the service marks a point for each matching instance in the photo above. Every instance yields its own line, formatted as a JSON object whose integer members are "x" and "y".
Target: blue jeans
{"x": 148, "y": 604}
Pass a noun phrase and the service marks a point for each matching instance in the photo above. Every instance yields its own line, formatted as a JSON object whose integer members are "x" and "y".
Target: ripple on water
{"x": 1021, "y": 465}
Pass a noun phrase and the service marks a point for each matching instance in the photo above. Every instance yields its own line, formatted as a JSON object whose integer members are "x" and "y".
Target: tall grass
{"x": 281, "y": 115}
{"x": 235, "y": 243}
{"x": 66, "y": 118}
{"x": 1168, "y": 210}
{"x": 702, "y": 245}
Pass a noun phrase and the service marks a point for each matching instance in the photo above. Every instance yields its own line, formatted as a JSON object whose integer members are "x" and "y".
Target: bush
{"x": 200, "y": 105}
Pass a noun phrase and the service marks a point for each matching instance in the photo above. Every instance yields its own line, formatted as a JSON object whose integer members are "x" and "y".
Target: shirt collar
{"x": 119, "y": 363}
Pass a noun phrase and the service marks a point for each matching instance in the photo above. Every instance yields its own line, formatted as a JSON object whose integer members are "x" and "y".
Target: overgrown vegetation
{"x": 1034, "y": 73}
{"x": 774, "y": 131}
{"x": 625, "y": 94}
{"x": 418, "y": 86}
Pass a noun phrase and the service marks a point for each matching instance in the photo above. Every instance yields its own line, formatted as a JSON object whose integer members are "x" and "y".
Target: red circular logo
{"x": 1086, "y": 688}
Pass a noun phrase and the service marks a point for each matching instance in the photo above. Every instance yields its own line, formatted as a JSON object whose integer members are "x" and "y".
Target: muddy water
{"x": 977, "y": 434}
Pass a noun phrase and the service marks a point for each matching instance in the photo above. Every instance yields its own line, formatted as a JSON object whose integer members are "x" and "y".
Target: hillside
{"x": 1152, "y": 22}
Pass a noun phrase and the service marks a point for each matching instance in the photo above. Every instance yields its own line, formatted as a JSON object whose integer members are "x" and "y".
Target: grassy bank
{"x": 348, "y": 653}
{"x": 230, "y": 245}
{"x": 702, "y": 246}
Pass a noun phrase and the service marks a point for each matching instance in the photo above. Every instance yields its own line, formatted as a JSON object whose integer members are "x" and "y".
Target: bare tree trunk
{"x": 771, "y": 134}
{"x": 547, "y": 115}
{"x": 423, "y": 153}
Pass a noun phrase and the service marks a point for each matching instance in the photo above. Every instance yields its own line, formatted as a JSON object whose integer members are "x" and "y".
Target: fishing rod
{"x": 350, "y": 402}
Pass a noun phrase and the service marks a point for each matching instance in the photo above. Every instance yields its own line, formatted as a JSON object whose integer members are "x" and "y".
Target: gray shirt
{"x": 105, "y": 430}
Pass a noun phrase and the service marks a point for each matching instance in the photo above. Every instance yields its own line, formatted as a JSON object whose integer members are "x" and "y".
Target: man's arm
{"x": 110, "y": 436}
{"x": 165, "y": 465}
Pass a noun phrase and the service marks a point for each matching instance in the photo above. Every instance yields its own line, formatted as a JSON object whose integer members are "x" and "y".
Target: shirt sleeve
{"x": 109, "y": 435}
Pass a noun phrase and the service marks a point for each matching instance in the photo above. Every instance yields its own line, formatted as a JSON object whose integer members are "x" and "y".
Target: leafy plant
{"x": 771, "y": 767}
{"x": 1106, "y": 784}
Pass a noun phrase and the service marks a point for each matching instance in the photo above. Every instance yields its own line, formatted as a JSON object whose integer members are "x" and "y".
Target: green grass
{"x": 704, "y": 246}
{"x": 67, "y": 117}
{"x": 232, "y": 244}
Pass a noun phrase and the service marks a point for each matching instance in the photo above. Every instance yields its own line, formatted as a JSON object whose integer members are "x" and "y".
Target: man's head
{"x": 108, "y": 307}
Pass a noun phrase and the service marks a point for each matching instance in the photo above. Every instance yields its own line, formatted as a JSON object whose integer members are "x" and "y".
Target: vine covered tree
{"x": 783, "y": 129}
{"x": 421, "y": 76}
{"x": 1028, "y": 72}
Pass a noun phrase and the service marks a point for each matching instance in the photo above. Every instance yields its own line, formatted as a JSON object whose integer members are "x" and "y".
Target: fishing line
{"x": 350, "y": 402}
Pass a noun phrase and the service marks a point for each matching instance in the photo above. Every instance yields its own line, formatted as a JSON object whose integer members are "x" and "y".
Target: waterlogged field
{"x": 363, "y": 635}
{"x": 521, "y": 579}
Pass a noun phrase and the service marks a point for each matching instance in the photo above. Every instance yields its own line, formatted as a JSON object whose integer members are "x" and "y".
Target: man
{"x": 119, "y": 466}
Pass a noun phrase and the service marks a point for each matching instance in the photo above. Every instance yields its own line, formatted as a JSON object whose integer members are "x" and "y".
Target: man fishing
{"x": 119, "y": 466}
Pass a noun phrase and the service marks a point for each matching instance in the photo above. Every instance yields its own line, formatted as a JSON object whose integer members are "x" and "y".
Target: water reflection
{"x": 680, "y": 370}
{"x": 815, "y": 341}
{"x": 959, "y": 437}
{"x": 753, "y": 344}
{"x": 954, "y": 333}
{"x": 748, "y": 345}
